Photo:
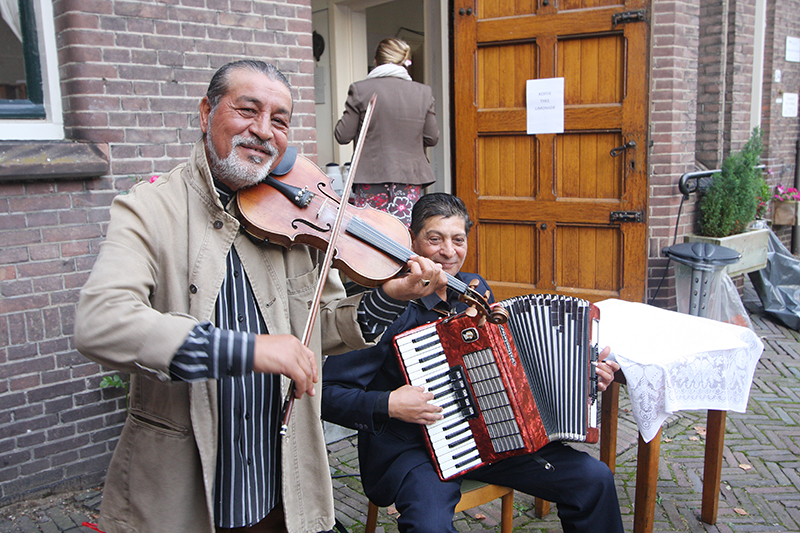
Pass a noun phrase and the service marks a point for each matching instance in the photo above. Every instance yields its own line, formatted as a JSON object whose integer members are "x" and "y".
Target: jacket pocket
{"x": 159, "y": 425}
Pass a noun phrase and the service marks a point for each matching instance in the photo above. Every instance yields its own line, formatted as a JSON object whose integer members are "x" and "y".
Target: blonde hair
{"x": 391, "y": 50}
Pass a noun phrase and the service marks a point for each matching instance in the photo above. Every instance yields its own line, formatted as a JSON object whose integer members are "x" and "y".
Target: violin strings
{"x": 370, "y": 235}
{"x": 392, "y": 248}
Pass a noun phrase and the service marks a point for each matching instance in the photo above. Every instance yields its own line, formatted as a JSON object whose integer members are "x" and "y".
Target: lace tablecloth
{"x": 674, "y": 361}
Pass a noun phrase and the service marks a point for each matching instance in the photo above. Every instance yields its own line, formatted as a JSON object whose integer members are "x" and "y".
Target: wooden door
{"x": 554, "y": 213}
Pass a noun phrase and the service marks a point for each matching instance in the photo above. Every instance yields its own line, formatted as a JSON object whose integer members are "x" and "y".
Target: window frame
{"x": 41, "y": 116}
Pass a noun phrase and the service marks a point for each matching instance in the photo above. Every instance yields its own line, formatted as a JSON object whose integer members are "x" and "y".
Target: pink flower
{"x": 153, "y": 178}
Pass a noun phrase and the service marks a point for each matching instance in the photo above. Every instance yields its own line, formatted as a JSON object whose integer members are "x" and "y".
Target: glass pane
{"x": 12, "y": 62}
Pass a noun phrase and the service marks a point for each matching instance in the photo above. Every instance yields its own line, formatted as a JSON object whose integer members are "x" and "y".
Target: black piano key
{"x": 436, "y": 377}
{"x": 455, "y": 434}
{"x": 465, "y": 463}
{"x": 461, "y": 454}
{"x": 458, "y": 443}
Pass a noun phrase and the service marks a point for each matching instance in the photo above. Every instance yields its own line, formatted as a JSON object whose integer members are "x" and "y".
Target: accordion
{"x": 506, "y": 389}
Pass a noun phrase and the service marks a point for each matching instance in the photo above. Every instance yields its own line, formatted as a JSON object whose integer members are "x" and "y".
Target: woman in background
{"x": 393, "y": 168}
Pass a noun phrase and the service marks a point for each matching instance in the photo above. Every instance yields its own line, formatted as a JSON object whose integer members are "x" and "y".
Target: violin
{"x": 300, "y": 206}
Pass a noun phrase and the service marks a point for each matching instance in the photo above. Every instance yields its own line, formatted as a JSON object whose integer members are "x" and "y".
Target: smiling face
{"x": 247, "y": 131}
{"x": 444, "y": 241}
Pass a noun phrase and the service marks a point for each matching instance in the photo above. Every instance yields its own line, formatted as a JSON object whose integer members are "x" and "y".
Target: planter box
{"x": 784, "y": 213}
{"x": 752, "y": 244}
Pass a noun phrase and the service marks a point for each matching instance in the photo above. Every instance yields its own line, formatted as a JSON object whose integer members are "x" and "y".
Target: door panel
{"x": 543, "y": 204}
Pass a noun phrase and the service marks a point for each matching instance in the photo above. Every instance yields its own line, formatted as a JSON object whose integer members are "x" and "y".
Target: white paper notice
{"x": 545, "y": 100}
{"x": 789, "y": 108}
{"x": 793, "y": 49}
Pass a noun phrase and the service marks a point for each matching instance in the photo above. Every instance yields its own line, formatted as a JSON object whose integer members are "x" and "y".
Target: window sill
{"x": 47, "y": 160}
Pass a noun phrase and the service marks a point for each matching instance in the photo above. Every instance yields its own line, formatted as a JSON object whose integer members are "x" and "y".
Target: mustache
{"x": 268, "y": 147}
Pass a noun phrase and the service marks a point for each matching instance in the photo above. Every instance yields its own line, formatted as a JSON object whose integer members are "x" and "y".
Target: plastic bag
{"x": 778, "y": 285}
{"x": 724, "y": 303}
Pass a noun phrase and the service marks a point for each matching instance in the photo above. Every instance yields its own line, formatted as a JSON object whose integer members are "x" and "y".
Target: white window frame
{"x": 52, "y": 126}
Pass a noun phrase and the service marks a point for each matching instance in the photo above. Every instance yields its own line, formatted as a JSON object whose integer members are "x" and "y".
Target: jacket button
{"x": 193, "y": 289}
{"x": 218, "y": 224}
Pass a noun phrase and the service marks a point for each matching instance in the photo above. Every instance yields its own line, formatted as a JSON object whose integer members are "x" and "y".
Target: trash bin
{"x": 705, "y": 263}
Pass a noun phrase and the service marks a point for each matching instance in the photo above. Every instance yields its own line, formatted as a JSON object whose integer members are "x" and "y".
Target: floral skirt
{"x": 394, "y": 198}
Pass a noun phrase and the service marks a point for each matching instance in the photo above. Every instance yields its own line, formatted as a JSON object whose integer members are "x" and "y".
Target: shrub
{"x": 731, "y": 201}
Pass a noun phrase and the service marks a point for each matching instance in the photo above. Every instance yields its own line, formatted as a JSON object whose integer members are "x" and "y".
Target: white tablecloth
{"x": 674, "y": 361}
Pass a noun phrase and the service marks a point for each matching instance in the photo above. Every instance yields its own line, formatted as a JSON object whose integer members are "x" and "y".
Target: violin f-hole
{"x": 297, "y": 221}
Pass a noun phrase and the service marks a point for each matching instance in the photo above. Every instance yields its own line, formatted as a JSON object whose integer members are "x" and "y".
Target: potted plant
{"x": 730, "y": 204}
{"x": 784, "y": 206}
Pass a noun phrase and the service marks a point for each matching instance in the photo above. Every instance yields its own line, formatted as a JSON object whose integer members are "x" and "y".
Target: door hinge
{"x": 627, "y": 216}
{"x": 628, "y": 16}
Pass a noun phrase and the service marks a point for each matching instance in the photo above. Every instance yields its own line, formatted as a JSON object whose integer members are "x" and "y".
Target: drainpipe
{"x": 795, "y": 231}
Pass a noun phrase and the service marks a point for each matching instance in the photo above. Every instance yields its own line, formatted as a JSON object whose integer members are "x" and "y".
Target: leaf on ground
{"x": 740, "y": 511}
{"x": 700, "y": 430}
{"x": 694, "y": 438}
{"x": 391, "y": 509}
{"x": 667, "y": 440}
{"x": 480, "y": 516}
{"x": 745, "y": 467}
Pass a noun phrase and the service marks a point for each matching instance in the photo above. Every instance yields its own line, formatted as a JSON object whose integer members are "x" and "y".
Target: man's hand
{"x": 285, "y": 354}
{"x": 410, "y": 404}
{"x": 605, "y": 370}
{"x": 424, "y": 277}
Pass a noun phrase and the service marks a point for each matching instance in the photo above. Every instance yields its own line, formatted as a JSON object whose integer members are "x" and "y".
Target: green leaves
{"x": 731, "y": 202}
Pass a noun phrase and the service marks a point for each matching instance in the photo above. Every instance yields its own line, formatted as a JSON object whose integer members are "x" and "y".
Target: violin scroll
{"x": 496, "y": 314}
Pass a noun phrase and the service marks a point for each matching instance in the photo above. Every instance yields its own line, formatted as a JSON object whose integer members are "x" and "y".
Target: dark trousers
{"x": 581, "y": 486}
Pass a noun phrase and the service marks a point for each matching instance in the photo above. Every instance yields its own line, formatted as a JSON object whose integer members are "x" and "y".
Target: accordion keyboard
{"x": 451, "y": 437}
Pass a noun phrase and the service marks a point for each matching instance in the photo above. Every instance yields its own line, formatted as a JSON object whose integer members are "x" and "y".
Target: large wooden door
{"x": 554, "y": 213}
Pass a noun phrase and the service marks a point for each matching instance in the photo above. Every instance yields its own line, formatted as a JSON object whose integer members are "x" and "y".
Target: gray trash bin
{"x": 706, "y": 261}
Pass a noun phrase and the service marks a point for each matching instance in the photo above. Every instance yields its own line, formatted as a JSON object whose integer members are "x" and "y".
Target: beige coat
{"x": 158, "y": 273}
{"x": 403, "y": 123}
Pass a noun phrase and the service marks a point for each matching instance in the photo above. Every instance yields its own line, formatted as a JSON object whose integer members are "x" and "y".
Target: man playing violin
{"x": 207, "y": 320}
{"x": 365, "y": 390}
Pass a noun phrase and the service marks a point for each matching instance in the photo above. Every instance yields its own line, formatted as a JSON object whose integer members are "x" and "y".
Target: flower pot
{"x": 752, "y": 244}
{"x": 784, "y": 213}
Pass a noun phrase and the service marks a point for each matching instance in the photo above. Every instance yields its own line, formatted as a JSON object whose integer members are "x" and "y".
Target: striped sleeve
{"x": 377, "y": 311}
{"x": 209, "y": 352}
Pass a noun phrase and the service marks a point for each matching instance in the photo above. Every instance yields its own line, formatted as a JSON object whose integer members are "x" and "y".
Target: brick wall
{"x": 711, "y": 80}
{"x": 673, "y": 104}
{"x": 132, "y": 74}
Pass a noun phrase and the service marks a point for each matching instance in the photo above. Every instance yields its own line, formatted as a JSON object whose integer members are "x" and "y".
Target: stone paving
{"x": 759, "y": 493}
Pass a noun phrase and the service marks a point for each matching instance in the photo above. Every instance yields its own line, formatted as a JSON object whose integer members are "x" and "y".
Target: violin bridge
{"x": 322, "y": 207}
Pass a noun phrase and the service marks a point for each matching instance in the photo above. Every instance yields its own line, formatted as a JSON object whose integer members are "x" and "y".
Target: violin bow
{"x": 288, "y": 402}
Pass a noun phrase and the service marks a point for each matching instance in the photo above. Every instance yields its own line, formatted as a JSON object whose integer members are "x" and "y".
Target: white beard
{"x": 239, "y": 173}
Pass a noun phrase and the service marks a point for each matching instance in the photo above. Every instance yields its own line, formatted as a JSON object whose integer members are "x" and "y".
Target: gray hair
{"x": 219, "y": 84}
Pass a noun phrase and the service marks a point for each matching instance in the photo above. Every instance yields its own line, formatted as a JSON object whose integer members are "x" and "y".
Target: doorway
{"x": 351, "y": 30}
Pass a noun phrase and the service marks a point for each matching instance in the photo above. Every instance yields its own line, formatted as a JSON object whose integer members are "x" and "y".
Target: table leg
{"x": 609, "y": 421}
{"x": 646, "y": 484}
{"x": 712, "y": 466}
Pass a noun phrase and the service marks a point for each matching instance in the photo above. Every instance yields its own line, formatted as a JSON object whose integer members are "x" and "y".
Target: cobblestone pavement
{"x": 760, "y": 489}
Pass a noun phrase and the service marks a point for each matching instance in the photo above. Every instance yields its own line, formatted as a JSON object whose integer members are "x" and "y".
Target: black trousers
{"x": 581, "y": 486}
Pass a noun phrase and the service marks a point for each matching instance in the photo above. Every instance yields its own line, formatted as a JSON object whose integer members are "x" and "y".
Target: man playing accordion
{"x": 366, "y": 390}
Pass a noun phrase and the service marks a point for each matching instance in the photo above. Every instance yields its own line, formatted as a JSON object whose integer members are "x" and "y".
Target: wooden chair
{"x": 473, "y": 494}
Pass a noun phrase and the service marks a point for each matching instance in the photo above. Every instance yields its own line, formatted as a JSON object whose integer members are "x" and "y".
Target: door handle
{"x": 619, "y": 149}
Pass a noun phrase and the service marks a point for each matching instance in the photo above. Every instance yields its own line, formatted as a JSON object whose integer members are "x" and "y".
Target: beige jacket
{"x": 403, "y": 123}
{"x": 157, "y": 274}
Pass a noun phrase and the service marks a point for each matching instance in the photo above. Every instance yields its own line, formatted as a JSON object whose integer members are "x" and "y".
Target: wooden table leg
{"x": 541, "y": 508}
{"x": 712, "y": 466}
{"x": 646, "y": 484}
{"x": 609, "y": 420}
